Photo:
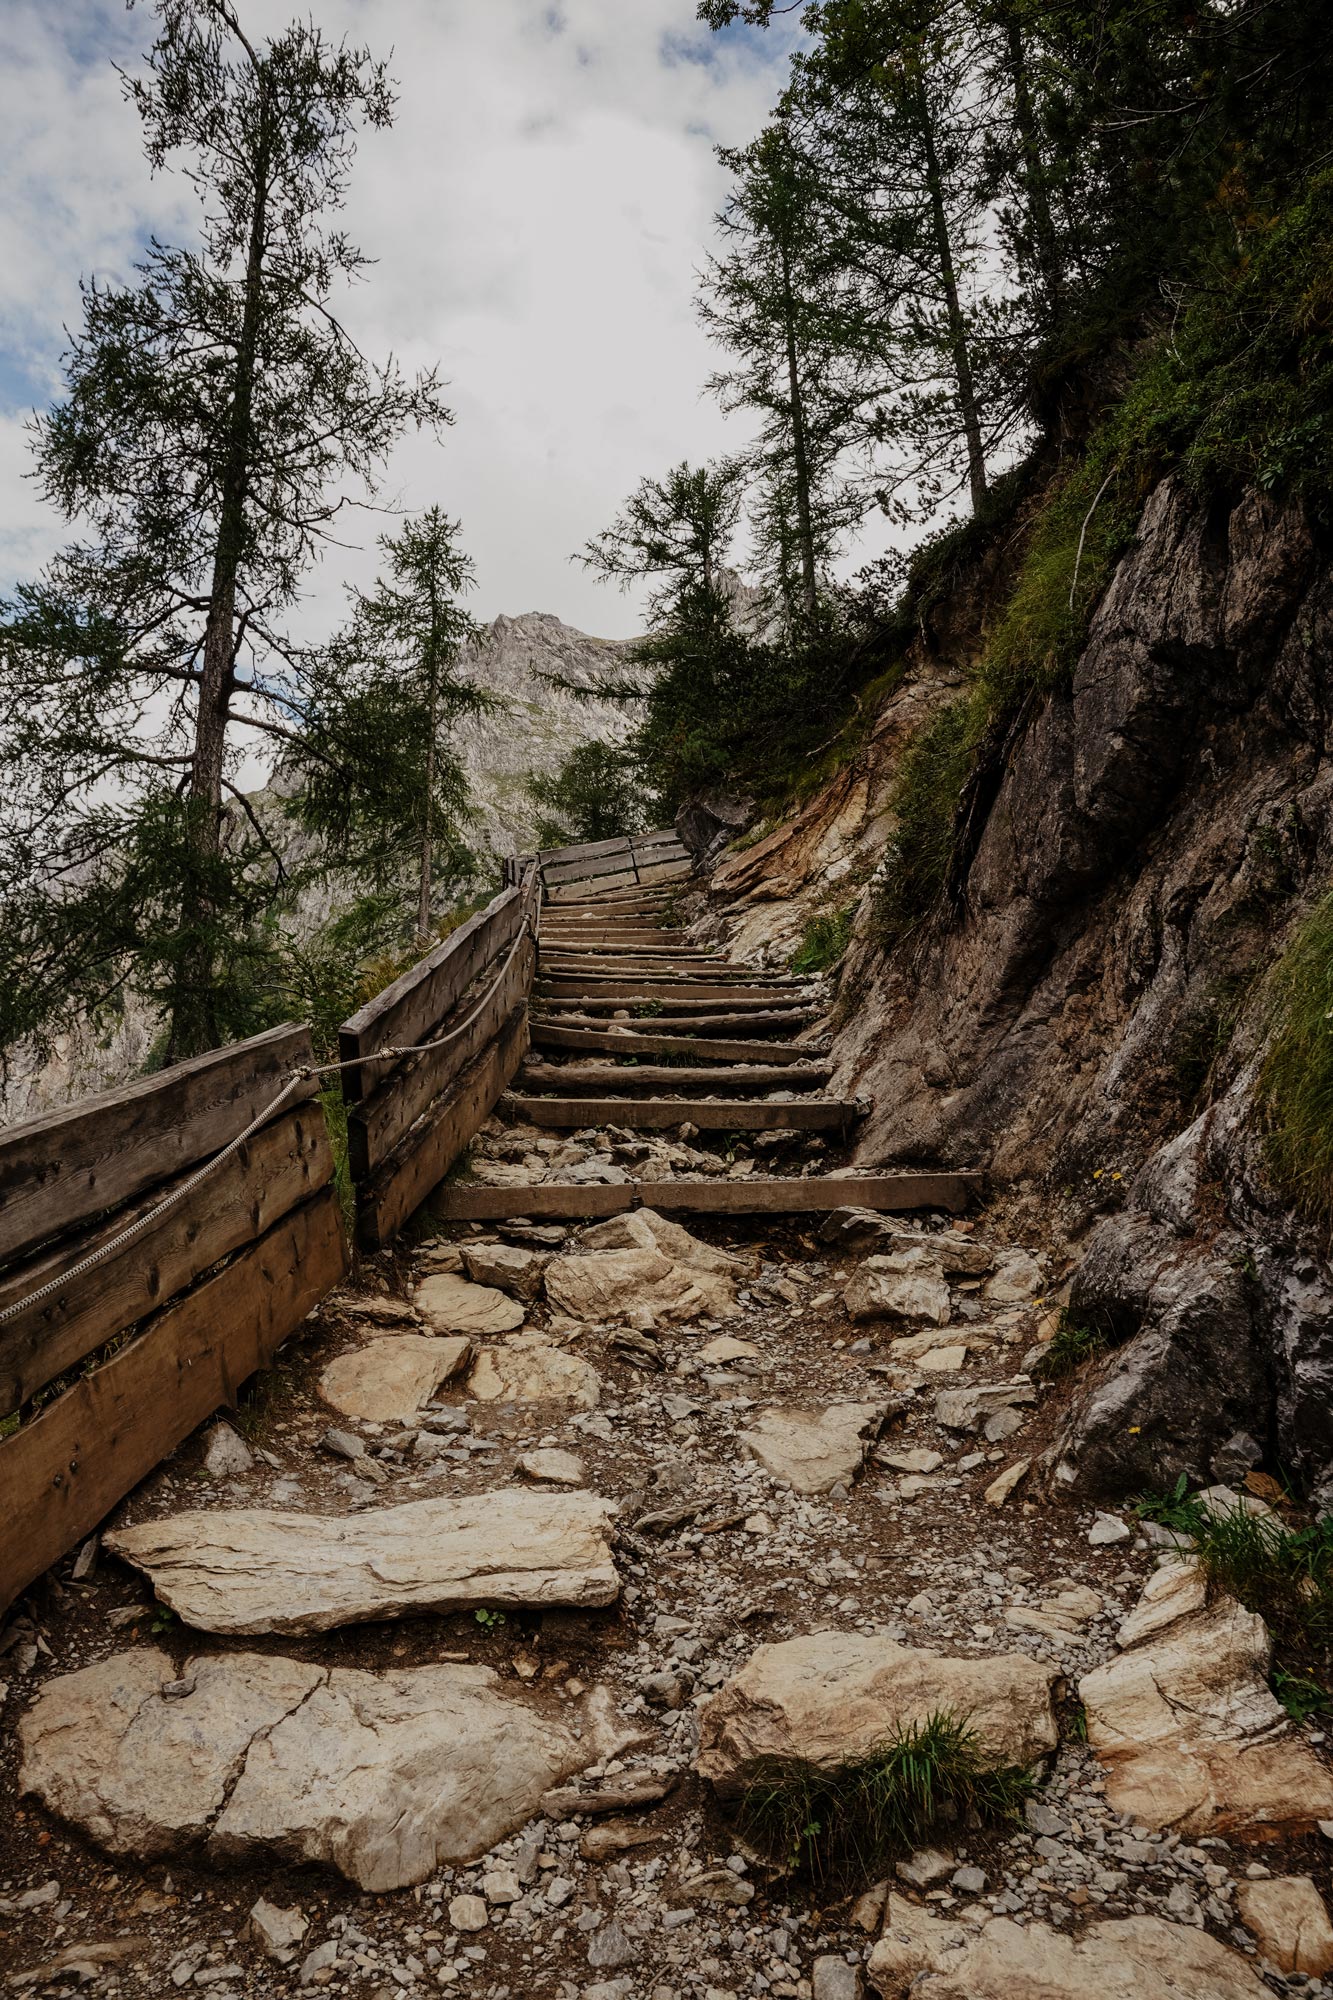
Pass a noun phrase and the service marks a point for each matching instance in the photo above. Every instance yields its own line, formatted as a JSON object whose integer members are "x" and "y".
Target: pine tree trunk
{"x": 958, "y": 348}
{"x": 799, "y": 445}
{"x": 428, "y": 801}
{"x": 1034, "y": 170}
{"x": 194, "y": 1014}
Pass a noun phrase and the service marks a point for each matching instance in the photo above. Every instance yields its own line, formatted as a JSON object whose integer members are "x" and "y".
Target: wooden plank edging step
{"x": 659, "y": 1114}
{"x": 624, "y": 1041}
{"x": 595, "y": 1079}
{"x": 459, "y": 1201}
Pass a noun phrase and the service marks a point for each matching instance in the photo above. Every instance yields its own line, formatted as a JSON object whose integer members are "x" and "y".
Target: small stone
{"x": 611, "y": 1948}
{"x": 501, "y": 1885}
{"x": 342, "y": 1444}
{"x": 969, "y": 1881}
{"x": 1290, "y": 1923}
{"x": 999, "y": 1489}
{"x": 556, "y": 1468}
{"x": 1106, "y": 1530}
{"x": 277, "y": 1931}
{"x": 926, "y": 1867}
{"x": 468, "y": 1913}
{"x": 226, "y": 1456}
{"x": 834, "y": 1979}
{"x": 321, "y": 1960}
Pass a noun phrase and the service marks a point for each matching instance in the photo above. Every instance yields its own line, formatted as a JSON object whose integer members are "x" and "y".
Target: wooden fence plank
{"x": 63, "y": 1472}
{"x": 407, "y": 1011}
{"x": 68, "y": 1166}
{"x": 378, "y": 1124}
{"x": 886, "y": 1193}
{"x": 277, "y": 1170}
{"x": 428, "y": 1153}
{"x": 585, "y": 850}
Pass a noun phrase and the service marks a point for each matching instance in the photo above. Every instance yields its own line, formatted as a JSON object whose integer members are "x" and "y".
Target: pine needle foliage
{"x": 841, "y": 1827}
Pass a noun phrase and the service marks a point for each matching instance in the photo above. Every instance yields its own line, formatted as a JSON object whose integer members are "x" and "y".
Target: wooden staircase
{"x": 635, "y": 1025}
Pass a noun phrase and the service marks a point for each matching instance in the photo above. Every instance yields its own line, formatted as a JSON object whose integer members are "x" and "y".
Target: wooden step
{"x": 592, "y": 1079}
{"x": 622, "y": 1041}
{"x": 886, "y": 1194}
{"x": 683, "y": 1014}
{"x": 571, "y": 965}
{"x": 660, "y": 1113}
{"x": 618, "y": 991}
{"x": 598, "y": 937}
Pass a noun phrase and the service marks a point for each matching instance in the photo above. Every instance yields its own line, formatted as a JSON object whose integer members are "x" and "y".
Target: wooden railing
{"x": 208, "y": 1293}
{"x": 111, "y": 1351}
{"x": 410, "y": 1119}
{"x": 601, "y": 865}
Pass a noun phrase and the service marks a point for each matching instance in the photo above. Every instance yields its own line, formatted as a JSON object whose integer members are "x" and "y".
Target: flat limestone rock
{"x": 507, "y": 1267}
{"x": 529, "y": 1369}
{"x": 641, "y": 1286}
{"x": 256, "y": 1569}
{"x": 1016, "y": 1278}
{"x": 1189, "y": 1732}
{"x": 1134, "y": 1958}
{"x": 725, "y": 1347}
{"x": 382, "y": 1776}
{"x": 906, "y": 1284}
{"x": 831, "y": 1697}
{"x": 645, "y": 1229}
{"x": 814, "y": 1447}
{"x": 1290, "y": 1923}
{"x": 455, "y": 1305}
{"x": 389, "y": 1380}
{"x": 559, "y": 1468}
{"x": 969, "y": 1409}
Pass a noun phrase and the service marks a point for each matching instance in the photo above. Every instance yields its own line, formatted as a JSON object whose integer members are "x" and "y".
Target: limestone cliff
{"x": 1129, "y": 863}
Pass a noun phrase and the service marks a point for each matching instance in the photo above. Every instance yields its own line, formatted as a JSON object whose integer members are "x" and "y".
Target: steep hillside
{"x": 1086, "y": 1010}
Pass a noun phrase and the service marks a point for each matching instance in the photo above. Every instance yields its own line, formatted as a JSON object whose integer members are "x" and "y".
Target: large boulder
{"x": 1187, "y": 1727}
{"x": 814, "y": 1447}
{"x": 1135, "y": 1958}
{"x": 455, "y": 1305}
{"x": 388, "y": 1380}
{"x": 255, "y": 1758}
{"x": 257, "y": 1569}
{"x": 831, "y": 1698}
{"x": 528, "y": 1369}
{"x": 644, "y": 1269}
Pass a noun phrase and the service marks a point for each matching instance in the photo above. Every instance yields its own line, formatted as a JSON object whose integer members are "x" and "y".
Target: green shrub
{"x": 1296, "y": 1081}
{"x": 843, "y": 1826}
{"x": 826, "y": 938}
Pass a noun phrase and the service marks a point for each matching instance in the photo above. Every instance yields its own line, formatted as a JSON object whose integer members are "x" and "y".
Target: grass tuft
{"x": 1296, "y": 1082}
{"x": 1070, "y": 1346}
{"x": 826, "y": 939}
{"x": 841, "y": 1827}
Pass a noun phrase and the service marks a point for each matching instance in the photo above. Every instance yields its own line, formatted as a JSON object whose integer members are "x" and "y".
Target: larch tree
{"x": 387, "y": 793}
{"x": 218, "y": 419}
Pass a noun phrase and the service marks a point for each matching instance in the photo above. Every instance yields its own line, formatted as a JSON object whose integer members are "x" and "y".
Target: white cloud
{"x": 538, "y": 213}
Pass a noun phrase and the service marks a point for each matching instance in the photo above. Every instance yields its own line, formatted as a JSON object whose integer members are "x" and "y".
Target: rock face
{"x": 831, "y": 1697}
{"x": 254, "y": 1569}
{"x": 813, "y": 1448}
{"x": 388, "y": 1380}
{"x": 1137, "y": 1958}
{"x": 645, "y": 1270}
{"x": 383, "y": 1777}
{"x": 1131, "y": 861}
{"x": 528, "y": 1369}
{"x": 454, "y": 1305}
{"x": 1187, "y": 1727}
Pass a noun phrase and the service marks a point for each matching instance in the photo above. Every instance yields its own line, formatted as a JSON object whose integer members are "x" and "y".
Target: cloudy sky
{"x": 538, "y": 212}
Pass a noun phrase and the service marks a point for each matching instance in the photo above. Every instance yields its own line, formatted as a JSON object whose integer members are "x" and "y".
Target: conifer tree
{"x": 218, "y": 418}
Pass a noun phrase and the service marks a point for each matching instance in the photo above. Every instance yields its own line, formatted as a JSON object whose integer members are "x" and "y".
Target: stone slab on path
{"x": 1187, "y": 1727}
{"x": 389, "y": 1380}
{"x": 644, "y": 1269}
{"x": 814, "y": 1447}
{"x": 455, "y": 1305}
{"x": 527, "y": 1368}
{"x": 832, "y": 1697}
{"x": 1134, "y": 1958}
{"x": 906, "y": 1284}
{"x": 382, "y": 1776}
{"x": 257, "y": 1569}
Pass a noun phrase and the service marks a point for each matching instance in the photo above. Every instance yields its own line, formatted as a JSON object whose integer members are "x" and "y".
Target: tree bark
{"x": 799, "y": 443}
{"x": 428, "y": 800}
{"x": 194, "y": 1024}
{"x": 1034, "y": 170}
{"x": 958, "y": 347}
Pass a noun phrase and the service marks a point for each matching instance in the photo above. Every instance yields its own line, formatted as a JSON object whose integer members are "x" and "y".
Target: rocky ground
{"x": 619, "y": 1477}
